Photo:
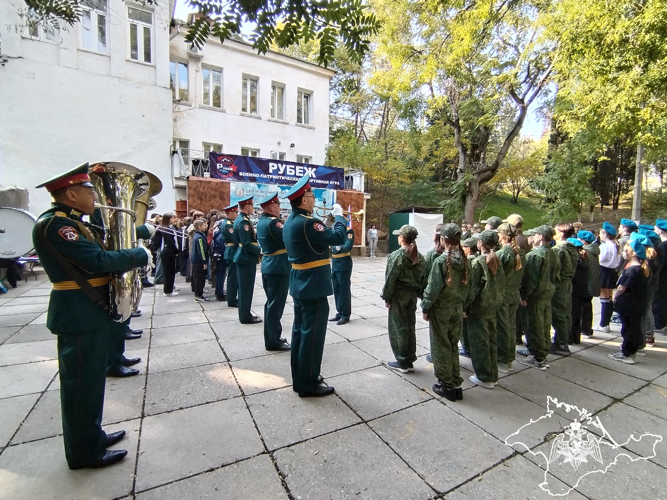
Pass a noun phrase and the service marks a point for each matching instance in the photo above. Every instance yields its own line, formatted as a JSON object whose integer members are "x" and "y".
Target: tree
{"x": 524, "y": 163}
{"x": 283, "y": 23}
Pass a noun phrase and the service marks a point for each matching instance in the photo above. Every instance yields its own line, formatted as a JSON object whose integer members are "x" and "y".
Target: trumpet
{"x": 326, "y": 212}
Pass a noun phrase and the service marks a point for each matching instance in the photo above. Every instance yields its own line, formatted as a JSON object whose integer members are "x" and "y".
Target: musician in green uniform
{"x": 307, "y": 241}
{"x": 231, "y": 245}
{"x": 341, "y": 275}
{"x": 74, "y": 256}
{"x": 246, "y": 258}
{"x": 275, "y": 272}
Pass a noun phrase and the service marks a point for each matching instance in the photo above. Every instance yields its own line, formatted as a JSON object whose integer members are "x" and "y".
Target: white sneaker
{"x": 603, "y": 329}
{"x": 618, "y": 356}
{"x": 172, "y": 294}
{"x": 531, "y": 361}
{"x": 176, "y": 289}
{"x": 510, "y": 366}
{"x": 641, "y": 352}
{"x": 502, "y": 368}
{"x": 476, "y": 381}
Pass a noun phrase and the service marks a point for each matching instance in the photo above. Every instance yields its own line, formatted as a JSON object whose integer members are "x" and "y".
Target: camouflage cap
{"x": 494, "y": 221}
{"x": 545, "y": 231}
{"x": 507, "y": 229}
{"x": 530, "y": 232}
{"x": 407, "y": 231}
{"x": 489, "y": 238}
{"x": 470, "y": 242}
{"x": 450, "y": 231}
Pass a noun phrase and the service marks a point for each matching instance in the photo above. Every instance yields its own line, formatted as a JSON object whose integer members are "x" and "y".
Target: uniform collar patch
{"x": 75, "y": 213}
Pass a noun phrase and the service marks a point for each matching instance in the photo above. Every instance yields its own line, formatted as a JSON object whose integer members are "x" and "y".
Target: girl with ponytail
{"x": 405, "y": 279}
{"x": 486, "y": 293}
{"x": 512, "y": 259}
{"x": 610, "y": 258}
{"x": 631, "y": 300}
{"x": 442, "y": 306}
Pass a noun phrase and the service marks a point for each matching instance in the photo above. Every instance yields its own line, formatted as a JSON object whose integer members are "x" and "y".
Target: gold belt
{"x": 339, "y": 255}
{"x": 279, "y": 252}
{"x": 73, "y": 285}
{"x": 311, "y": 265}
{"x": 231, "y": 244}
{"x": 253, "y": 243}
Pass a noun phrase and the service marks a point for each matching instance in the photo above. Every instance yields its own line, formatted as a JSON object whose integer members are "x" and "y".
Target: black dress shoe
{"x": 146, "y": 284}
{"x": 122, "y": 371}
{"x": 335, "y": 318}
{"x": 137, "y": 331}
{"x": 281, "y": 347}
{"x": 321, "y": 391}
{"x": 131, "y": 336}
{"x": 131, "y": 361}
{"x": 342, "y": 321}
{"x": 221, "y": 298}
{"x": 109, "y": 458}
{"x": 320, "y": 379}
{"x": 232, "y": 305}
{"x": 252, "y": 321}
{"x": 136, "y": 314}
{"x": 429, "y": 358}
{"x": 113, "y": 438}
{"x": 282, "y": 340}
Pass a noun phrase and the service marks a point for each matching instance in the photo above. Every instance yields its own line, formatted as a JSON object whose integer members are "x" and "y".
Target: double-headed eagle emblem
{"x": 575, "y": 444}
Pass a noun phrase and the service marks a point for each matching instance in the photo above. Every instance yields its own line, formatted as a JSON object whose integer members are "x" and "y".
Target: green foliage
{"x": 523, "y": 165}
{"x": 502, "y": 205}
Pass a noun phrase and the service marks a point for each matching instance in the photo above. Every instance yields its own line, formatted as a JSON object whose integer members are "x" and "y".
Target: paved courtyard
{"x": 213, "y": 414}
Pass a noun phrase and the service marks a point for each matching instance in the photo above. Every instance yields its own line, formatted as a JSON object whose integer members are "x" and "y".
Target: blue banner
{"x": 265, "y": 171}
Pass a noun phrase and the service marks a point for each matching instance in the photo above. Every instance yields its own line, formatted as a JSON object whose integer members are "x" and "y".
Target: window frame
{"x": 250, "y": 151}
{"x": 94, "y": 22}
{"x": 211, "y": 69}
{"x": 274, "y": 91}
{"x": 141, "y": 49}
{"x": 279, "y": 155}
{"x": 211, "y": 146}
{"x": 175, "y": 91}
{"x": 302, "y": 159}
{"x": 247, "y": 100}
{"x": 300, "y": 93}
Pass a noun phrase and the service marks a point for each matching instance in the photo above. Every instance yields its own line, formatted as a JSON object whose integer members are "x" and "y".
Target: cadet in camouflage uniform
{"x": 469, "y": 246}
{"x": 341, "y": 275}
{"x": 405, "y": 279}
{"x": 84, "y": 329}
{"x": 246, "y": 258}
{"x": 231, "y": 245}
{"x": 437, "y": 251}
{"x": 537, "y": 289}
{"x": 442, "y": 306}
{"x": 275, "y": 272}
{"x": 485, "y": 295}
{"x": 561, "y": 302}
{"x": 512, "y": 258}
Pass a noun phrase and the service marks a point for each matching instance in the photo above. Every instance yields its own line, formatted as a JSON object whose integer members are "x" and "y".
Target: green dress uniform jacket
{"x": 485, "y": 297}
{"x": 83, "y": 328}
{"x": 593, "y": 268}
{"x": 275, "y": 276}
{"x": 341, "y": 276}
{"x": 246, "y": 258}
{"x": 506, "y": 318}
{"x": 307, "y": 241}
{"x": 537, "y": 289}
{"x": 404, "y": 282}
{"x": 231, "y": 245}
{"x": 561, "y": 302}
{"x": 444, "y": 305}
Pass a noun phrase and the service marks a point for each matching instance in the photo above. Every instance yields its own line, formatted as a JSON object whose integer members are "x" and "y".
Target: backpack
{"x": 218, "y": 246}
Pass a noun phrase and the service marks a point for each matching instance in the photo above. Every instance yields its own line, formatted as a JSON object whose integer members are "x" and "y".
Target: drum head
{"x": 15, "y": 232}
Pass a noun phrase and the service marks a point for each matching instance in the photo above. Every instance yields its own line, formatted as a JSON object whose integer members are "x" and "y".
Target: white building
{"x": 95, "y": 91}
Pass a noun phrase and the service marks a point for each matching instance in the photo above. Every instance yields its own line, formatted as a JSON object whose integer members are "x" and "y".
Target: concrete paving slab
{"x": 31, "y": 333}
{"x": 370, "y": 311}
{"x": 647, "y": 368}
{"x": 12, "y": 412}
{"x": 440, "y": 445}
{"x": 39, "y": 320}
{"x": 38, "y": 470}
{"x": 17, "y": 380}
{"x": 15, "y": 308}
{"x": 6, "y": 332}
{"x": 181, "y": 334}
{"x": 263, "y": 373}
{"x": 249, "y": 479}
{"x": 536, "y": 385}
{"x": 357, "y": 329}
{"x": 44, "y": 420}
{"x": 376, "y": 391}
{"x": 28, "y": 352}
{"x": 183, "y": 443}
{"x": 176, "y": 305}
{"x": 608, "y": 382}
{"x": 17, "y": 319}
{"x": 37, "y": 292}
{"x": 44, "y": 300}
{"x": 380, "y": 349}
{"x": 661, "y": 381}
{"x": 516, "y": 478}
{"x": 246, "y": 341}
{"x": 183, "y": 319}
{"x": 331, "y": 338}
{"x": 344, "y": 357}
{"x": 283, "y": 418}
{"x": 223, "y": 314}
{"x": 174, "y": 357}
{"x": 351, "y": 463}
{"x": 172, "y": 390}
{"x": 124, "y": 398}
{"x": 424, "y": 377}
{"x": 652, "y": 399}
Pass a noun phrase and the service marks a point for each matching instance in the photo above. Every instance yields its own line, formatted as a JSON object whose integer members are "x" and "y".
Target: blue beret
{"x": 646, "y": 226}
{"x": 587, "y": 236}
{"x": 638, "y": 248}
{"x": 575, "y": 242}
{"x": 630, "y": 224}
{"x": 642, "y": 239}
{"x": 609, "y": 229}
{"x": 651, "y": 235}
{"x": 661, "y": 224}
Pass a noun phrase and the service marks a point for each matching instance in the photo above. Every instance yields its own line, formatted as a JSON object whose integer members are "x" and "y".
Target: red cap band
{"x": 300, "y": 192}
{"x": 67, "y": 181}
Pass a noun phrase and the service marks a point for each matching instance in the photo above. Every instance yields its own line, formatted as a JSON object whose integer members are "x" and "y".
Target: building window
{"x": 277, "y": 155}
{"x": 250, "y": 152}
{"x": 249, "y": 97}
{"x": 277, "y": 93}
{"x": 304, "y": 159}
{"x": 184, "y": 146}
{"x": 178, "y": 80}
{"x": 141, "y": 34}
{"x": 94, "y": 25}
{"x": 303, "y": 107}
{"x": 211, "y": 148}
{"x": 212, "y": 79}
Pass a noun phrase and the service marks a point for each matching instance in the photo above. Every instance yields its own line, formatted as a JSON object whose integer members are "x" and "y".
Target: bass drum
{"x": 15, "y": 232}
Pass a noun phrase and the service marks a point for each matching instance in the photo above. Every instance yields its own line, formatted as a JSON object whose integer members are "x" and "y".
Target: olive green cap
{"x": 507, "y": 229}
{"x": 494, "y": 221}
{"x": 406, "y": 231}
{"x": 450, "y": 231}
{"x": 489, "y": 238}
{"x": 470, "y": 242}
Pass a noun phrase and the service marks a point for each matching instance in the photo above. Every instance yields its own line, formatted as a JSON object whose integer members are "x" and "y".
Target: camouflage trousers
{"x": 539, "y": 327}
{"x": 561, "y": 312}
{"x": 445, "y": 330}
{"x": 482, "y": 337}
{"x": 506, "y": 325}
{"x": 402, "y": 320}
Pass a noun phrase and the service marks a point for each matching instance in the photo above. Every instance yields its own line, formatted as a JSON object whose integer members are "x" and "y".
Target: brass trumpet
{"x": 326, "y": 212}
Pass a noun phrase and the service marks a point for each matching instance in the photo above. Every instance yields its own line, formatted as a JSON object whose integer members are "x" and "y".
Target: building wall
{"x": 233, "y": 129}
{"x": 62, "y": 106}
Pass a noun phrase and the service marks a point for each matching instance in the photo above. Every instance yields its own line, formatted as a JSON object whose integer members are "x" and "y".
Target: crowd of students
{"x": 492, "y": 287}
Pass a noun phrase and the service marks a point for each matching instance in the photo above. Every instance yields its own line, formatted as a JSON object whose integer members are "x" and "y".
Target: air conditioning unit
{"x": 195, "y": 52}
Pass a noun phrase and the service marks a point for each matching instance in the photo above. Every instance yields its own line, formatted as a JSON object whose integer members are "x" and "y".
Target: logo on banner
{"x": 225, "y": 166}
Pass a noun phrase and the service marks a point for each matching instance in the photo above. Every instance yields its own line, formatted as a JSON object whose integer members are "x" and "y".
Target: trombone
{"x": 326, "y": 212}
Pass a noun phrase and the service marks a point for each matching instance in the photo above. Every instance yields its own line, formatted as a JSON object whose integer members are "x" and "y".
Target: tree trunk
{"x": 470, "y": 203}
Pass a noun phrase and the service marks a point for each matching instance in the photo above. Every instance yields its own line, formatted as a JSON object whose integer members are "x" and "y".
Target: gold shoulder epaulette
{"x": 60, "y": 214}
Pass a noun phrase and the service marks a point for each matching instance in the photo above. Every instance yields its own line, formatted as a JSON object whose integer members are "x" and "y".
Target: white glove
{"x": 151, "y": 229}
{"x": 337, "y": 210}
{"x": 337, "y": 248}
{"x": 150, "y": 264}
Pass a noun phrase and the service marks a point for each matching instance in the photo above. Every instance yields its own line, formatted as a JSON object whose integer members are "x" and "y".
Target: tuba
{"x": 117, "y": 186}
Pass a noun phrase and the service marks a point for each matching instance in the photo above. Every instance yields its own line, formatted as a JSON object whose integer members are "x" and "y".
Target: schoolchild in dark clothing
{"x": 165, "y": 243}
{"x": 199, "y": 259}
{"x": 580, "y": 293}
{"x": 660, "y": 300}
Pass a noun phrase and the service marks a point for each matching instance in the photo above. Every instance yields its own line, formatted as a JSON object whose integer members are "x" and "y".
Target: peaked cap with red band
{"x": 272, "y": 198}
{"x": 245, "y": 201}
{"x": 299, "y": 188}
{"x": 76, "y": 176}
{"x": 232, "y": 208}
